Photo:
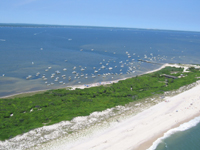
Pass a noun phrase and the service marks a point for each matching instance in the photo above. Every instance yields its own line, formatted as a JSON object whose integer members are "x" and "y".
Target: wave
{"x": 182, "y": 127}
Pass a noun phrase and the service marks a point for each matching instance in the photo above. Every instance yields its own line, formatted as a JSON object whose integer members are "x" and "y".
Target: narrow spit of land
{"x": 23, "y": 114}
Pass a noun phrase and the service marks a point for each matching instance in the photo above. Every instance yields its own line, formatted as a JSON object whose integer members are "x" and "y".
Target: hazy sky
{"x": 154, "y": 14}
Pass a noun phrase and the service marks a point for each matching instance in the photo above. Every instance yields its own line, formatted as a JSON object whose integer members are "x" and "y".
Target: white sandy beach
{"x": 140, "y": 131}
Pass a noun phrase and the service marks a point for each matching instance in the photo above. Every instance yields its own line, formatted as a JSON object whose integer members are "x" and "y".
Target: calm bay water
{"x": 26, "y": 51}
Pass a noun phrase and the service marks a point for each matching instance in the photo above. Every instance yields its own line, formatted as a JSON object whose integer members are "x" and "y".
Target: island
{"x": 154, "y": 102}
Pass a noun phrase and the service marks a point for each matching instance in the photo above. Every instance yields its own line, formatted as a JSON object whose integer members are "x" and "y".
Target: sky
{"x": 148, "y": 14}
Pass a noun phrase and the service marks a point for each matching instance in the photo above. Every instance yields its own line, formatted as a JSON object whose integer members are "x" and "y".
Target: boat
{"x": 110, "y": 68}
{"x": 103, "y": 67}
{"x": 57, "y": 72}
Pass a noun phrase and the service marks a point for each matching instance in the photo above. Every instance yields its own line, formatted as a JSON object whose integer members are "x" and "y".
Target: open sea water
{"x": 47, "y": 57}
{"x": 184, "y": 137}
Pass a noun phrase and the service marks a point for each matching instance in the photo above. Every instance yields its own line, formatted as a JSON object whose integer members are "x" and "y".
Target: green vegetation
{"x": 54, "y": 106}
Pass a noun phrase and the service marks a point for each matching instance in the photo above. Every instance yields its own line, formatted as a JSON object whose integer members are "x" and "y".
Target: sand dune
{"x": 141, "y": 130}
{"x": 137, "y": 132}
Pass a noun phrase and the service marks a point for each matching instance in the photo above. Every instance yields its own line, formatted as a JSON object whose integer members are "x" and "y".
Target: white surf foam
{"x": 182, "y": 127}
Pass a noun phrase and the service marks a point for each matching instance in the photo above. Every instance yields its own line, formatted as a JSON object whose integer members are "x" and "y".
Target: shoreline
{"x": 82, "y": 86}
{"x": 141, "y": 130}
{"x": 147, "y": 145}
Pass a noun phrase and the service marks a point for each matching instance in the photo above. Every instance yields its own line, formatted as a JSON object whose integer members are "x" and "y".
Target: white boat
{"x": 103, "y": 67}
{"x": 38, "y": 73}
{"x": 57, "y": 72}
{"x": 110, "y": 68}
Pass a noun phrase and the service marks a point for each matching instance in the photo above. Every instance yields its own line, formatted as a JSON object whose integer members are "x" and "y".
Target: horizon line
{"x": 91, "y": 26}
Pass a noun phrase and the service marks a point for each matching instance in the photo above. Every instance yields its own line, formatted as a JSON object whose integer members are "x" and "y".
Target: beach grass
{"x": 26, "y": 112}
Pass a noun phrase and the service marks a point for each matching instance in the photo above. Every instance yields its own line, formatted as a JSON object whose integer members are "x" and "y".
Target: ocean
{"x": 47, "y": 57}
{"x": 184, "y": 137}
